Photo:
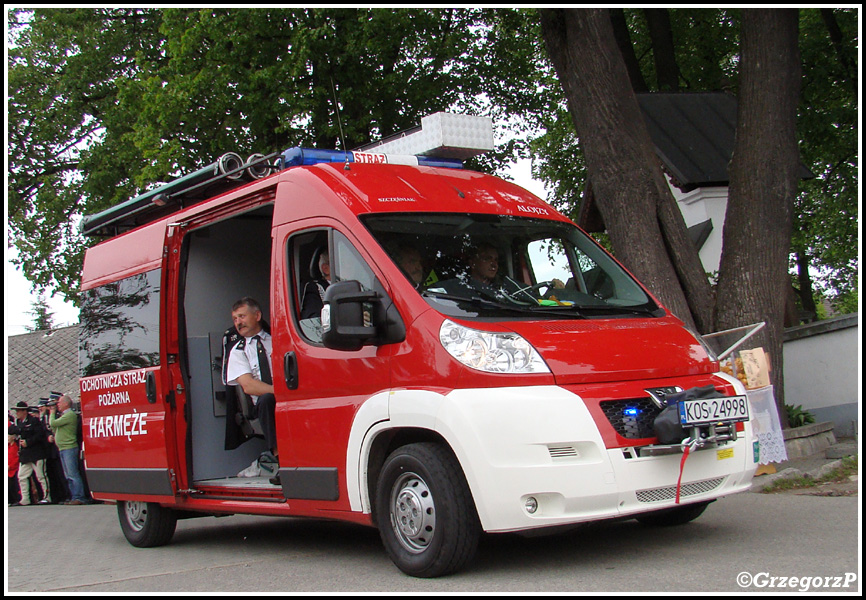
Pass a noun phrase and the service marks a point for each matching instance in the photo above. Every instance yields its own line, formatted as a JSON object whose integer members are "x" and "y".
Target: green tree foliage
{"x": 104, "y": 103}
{"x": 826, "y": 216}
{"x": 63, "y": 69}
{"x": 43, "y": 319}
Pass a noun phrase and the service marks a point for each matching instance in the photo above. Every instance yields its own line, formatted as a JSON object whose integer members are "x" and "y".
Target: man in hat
{"x": 32, "y": 452}
{"x": 53, "y": 466}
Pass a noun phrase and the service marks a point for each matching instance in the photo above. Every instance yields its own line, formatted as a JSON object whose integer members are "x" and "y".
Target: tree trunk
{"x": 630, "y": 190}
{"x": 664, "y": 58}
{"x": 753, "y": 274}
{"x": 804, "y": 279}
{"x": 623, "y": 41}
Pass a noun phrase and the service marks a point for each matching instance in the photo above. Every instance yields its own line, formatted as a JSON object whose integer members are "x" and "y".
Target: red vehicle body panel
{"x": 615, "y": 349}
{"x": 122, "y": 427}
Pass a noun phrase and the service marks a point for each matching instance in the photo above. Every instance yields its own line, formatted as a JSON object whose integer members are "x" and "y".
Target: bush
{"x": 797, "y": 416}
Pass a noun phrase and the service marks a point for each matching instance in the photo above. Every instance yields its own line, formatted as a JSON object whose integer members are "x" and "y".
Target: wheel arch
{"x": 388, "y": 440}
{"x": 392, "y": 419}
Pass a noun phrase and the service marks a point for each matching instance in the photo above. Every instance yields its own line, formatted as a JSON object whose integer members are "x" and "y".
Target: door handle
{"x": 290, "y": 370}
{"x": 150, "y": 387}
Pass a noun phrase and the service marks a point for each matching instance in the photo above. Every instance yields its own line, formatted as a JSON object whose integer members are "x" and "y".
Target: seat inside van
{"x": 223, "y": 262}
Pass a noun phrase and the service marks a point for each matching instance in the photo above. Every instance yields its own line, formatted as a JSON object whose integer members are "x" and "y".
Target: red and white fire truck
{"x": 431, "y": 408}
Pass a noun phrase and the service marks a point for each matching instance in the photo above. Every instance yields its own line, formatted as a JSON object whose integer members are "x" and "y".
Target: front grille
{"x": 669, "y": 493}
{"x": 633, "y": 418}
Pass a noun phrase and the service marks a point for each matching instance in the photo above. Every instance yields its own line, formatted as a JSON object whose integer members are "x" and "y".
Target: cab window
{"x": 343, "y": 263}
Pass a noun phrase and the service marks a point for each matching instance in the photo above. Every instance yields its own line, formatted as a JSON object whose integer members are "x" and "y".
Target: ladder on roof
{"x": 442, "y": 140}
{"x": 229, "y": 171}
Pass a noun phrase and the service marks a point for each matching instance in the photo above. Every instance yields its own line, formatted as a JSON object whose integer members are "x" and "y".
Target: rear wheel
{"x": 425, "y": 512}
{"x": 146, "y": 524}
{"x": 669, "y": 517}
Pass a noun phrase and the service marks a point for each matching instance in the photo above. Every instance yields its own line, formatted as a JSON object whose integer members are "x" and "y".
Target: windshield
{"x": 498, "y": 266}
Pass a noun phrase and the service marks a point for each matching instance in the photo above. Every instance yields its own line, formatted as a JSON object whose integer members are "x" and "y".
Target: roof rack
{"x": 229, "y": 171}
{"x": 442, "y": 140}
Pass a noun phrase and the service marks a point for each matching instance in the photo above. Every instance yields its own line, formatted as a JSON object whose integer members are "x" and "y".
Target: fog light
{"x": 531, "y": 505}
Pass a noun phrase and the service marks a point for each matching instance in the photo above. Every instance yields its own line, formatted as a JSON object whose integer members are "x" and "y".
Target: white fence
{"x": 822, "y": 371}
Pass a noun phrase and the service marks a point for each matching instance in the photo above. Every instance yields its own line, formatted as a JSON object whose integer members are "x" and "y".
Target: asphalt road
{"x": 745, "y": 543}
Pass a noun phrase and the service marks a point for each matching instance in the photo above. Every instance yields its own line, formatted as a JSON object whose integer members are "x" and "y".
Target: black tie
{"x": 264, "y": 363}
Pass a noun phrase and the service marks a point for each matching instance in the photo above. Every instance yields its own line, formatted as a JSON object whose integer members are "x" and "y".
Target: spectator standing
{"x": 32, "y": 453}
{"x": 12, "y": 443}
{"x": 53, "y": 466}
{"x": 64, "y": 423}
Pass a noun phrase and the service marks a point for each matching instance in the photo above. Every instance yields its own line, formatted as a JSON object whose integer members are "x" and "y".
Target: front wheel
{"x": 146, "y": 524}
{"x": 425, "y": 512}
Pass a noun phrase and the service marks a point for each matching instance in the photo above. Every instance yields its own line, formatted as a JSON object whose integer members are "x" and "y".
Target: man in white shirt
{"x": 249, "y": 365}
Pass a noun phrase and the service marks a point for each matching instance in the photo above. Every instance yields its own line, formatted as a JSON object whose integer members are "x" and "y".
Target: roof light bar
{"x": 442, "y": 134}
{"x": 294, "y": 157}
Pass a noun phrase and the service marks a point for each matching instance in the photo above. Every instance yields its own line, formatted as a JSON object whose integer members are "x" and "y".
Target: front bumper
{"x": 542, "y": 443}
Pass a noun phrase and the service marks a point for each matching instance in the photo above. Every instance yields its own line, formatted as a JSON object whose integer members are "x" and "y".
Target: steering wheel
{"x": 528, "y": 290}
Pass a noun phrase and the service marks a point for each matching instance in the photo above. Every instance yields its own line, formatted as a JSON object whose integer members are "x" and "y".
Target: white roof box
{"x": 442, "y": 134}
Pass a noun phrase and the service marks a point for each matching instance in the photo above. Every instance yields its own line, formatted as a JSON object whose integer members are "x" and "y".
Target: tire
{"x": 146, "y": 524}
{"x": 671, "y": 517}
{"x": 425, "y": 513}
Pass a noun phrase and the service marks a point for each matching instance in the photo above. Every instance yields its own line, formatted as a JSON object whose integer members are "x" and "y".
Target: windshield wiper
{"x": 612, "y": 308}
{"x": 475, "y": 300}
{"x": 534, "y": 309}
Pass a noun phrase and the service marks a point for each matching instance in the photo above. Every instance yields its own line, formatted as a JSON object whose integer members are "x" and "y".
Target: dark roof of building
{"x": 693, "y": 134}
{"x": 42, "y": 362}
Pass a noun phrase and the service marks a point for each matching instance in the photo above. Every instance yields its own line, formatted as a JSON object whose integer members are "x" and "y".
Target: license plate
{"x": 703, "y": 411}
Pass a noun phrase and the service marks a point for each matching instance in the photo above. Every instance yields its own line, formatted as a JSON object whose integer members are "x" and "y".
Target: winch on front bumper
{"x": 699, "y": 438}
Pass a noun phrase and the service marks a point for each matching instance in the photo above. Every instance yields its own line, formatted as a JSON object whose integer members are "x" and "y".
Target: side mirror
{"x": 353, "y": 318}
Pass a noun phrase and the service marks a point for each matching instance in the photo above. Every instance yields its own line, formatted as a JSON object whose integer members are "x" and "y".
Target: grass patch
{"x": 840, "y": 474}
{"x": 843, "y": 472}
{"x": 789, "y": 483}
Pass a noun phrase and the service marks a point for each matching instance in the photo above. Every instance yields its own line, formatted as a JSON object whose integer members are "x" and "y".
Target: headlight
{"x": 490, "y": 352}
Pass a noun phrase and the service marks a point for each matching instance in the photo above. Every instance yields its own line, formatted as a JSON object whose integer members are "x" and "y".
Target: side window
{"x": 349, "y": 265}
{"x": 120, "y": 325}
{"x": 550, "y": 261}
{"x": 596, "y": 282}
{"x": 319, "y": 258}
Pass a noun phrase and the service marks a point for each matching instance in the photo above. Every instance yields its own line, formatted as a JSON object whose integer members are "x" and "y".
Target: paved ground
{"x": 743, "y": 543}
{"x": 740, "y": 536}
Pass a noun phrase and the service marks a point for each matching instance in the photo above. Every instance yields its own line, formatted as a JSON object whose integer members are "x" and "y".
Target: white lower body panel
{"x": 541, "y": 442}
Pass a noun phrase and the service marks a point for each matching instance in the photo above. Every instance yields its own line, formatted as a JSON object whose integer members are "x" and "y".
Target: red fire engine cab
{"x": 421, "y": 400}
